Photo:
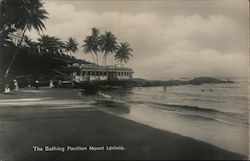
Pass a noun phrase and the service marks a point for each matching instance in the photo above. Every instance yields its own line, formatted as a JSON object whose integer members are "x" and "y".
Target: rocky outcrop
{"x": 148, "y": 83}
{"x": 200, "y": 80}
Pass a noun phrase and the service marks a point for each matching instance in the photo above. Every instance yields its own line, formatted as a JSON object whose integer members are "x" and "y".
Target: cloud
{"x": 175, "y": 46}
{"x": 207, "y": 62}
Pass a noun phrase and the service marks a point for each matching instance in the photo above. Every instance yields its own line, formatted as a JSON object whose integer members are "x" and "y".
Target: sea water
{"x": 213, "y": 113}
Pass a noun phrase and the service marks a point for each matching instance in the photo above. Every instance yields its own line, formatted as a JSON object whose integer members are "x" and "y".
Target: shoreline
{"x": 137, "y": 82}
{"x": 129, "y": 83}
{"x": 92, "y": 126}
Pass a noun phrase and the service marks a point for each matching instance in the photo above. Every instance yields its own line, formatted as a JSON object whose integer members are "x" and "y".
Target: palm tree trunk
{"x": 107, "y": 59}
{"x": 93, "y": 57}
{"x": 94, "y": 62}
{"x": 103, "y": 59}
{"x": 13, "y": 58}
{"x": 98, "y": 65}
{"x": 104, "y": 62}
{"x": 96, "y": 58}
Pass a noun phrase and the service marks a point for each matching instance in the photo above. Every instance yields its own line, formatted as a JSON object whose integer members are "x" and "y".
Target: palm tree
{"x": 107, "y": 45}
{"x": 91, "y": 43}
{"x": 28, "y": 40}
{"x": 95, "y": 41}
{"x": 7, "y": 11}
{"x": 24, "y": 15}
{"x": 71, "y": 45}
{"x": 123, "y": 53}
{"x": 5, "y": 39}
{"x": 31, "y": 45}
{"x": 50, "y": 45}
{"x": 87, "y": 46}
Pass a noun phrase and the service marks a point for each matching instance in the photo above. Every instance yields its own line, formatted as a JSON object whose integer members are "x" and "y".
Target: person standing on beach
{"x": 51, "y": 84}
{"x": 36, "y": 84}
{"x": 29, "y": 84}
{"x": 165, "y": 88}
{"x": 59, "y": 83}
{"x": 16, "y": 88}
{"x": 7, "y": 89}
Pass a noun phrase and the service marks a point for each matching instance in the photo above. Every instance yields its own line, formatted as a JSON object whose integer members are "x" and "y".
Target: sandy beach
{"x": 61, "y": 118}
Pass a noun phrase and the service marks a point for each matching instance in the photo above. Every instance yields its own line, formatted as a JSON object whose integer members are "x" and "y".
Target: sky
{"x": 169, "y": 38}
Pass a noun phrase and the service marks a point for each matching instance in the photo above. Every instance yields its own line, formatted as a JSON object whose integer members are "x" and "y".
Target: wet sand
{"x": 38, "y": 124}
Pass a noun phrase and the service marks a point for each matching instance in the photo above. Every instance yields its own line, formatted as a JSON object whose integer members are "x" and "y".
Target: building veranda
{"x": 94, "y": 72}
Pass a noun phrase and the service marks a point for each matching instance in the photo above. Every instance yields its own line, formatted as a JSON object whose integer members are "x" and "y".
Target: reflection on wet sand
{"x": 112, "y": 106}
{"x": 105, "y": 101}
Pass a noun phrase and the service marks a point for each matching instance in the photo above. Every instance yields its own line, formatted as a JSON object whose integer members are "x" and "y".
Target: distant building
{"x": 94, "y": 72}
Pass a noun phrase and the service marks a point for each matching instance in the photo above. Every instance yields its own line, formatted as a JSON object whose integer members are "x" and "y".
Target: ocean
{"x": 213, "y": 113}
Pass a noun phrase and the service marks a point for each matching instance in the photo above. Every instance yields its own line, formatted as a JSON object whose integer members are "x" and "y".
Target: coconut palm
{"x": 7, "y": 11}
{"x": 5, "y": 39}
{"x": 107, "y": 45}
{"x": 8, "y": 14}
{"x": 50, "y": 45}
{"x": 31, "y": 46}
{"x": 123, "y": 53}
{"x": 71, "y": 45}
{"x": 28, "y": 40}
{"x": 95, "y": 42}
{"x": 24, "y": 15}
{"x": 91, "y": 43}
{"x": 88, "y": 46}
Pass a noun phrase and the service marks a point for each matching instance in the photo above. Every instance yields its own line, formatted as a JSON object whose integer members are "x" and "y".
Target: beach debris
{"x": 210, "y": 90}
{"x": 104, "y": 95}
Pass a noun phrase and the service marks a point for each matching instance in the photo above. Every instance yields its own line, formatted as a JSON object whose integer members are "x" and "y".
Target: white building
{"x": 93, "y": 72}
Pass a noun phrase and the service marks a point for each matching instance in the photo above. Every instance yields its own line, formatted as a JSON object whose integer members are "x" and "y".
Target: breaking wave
{"x": 226, "y": 117}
